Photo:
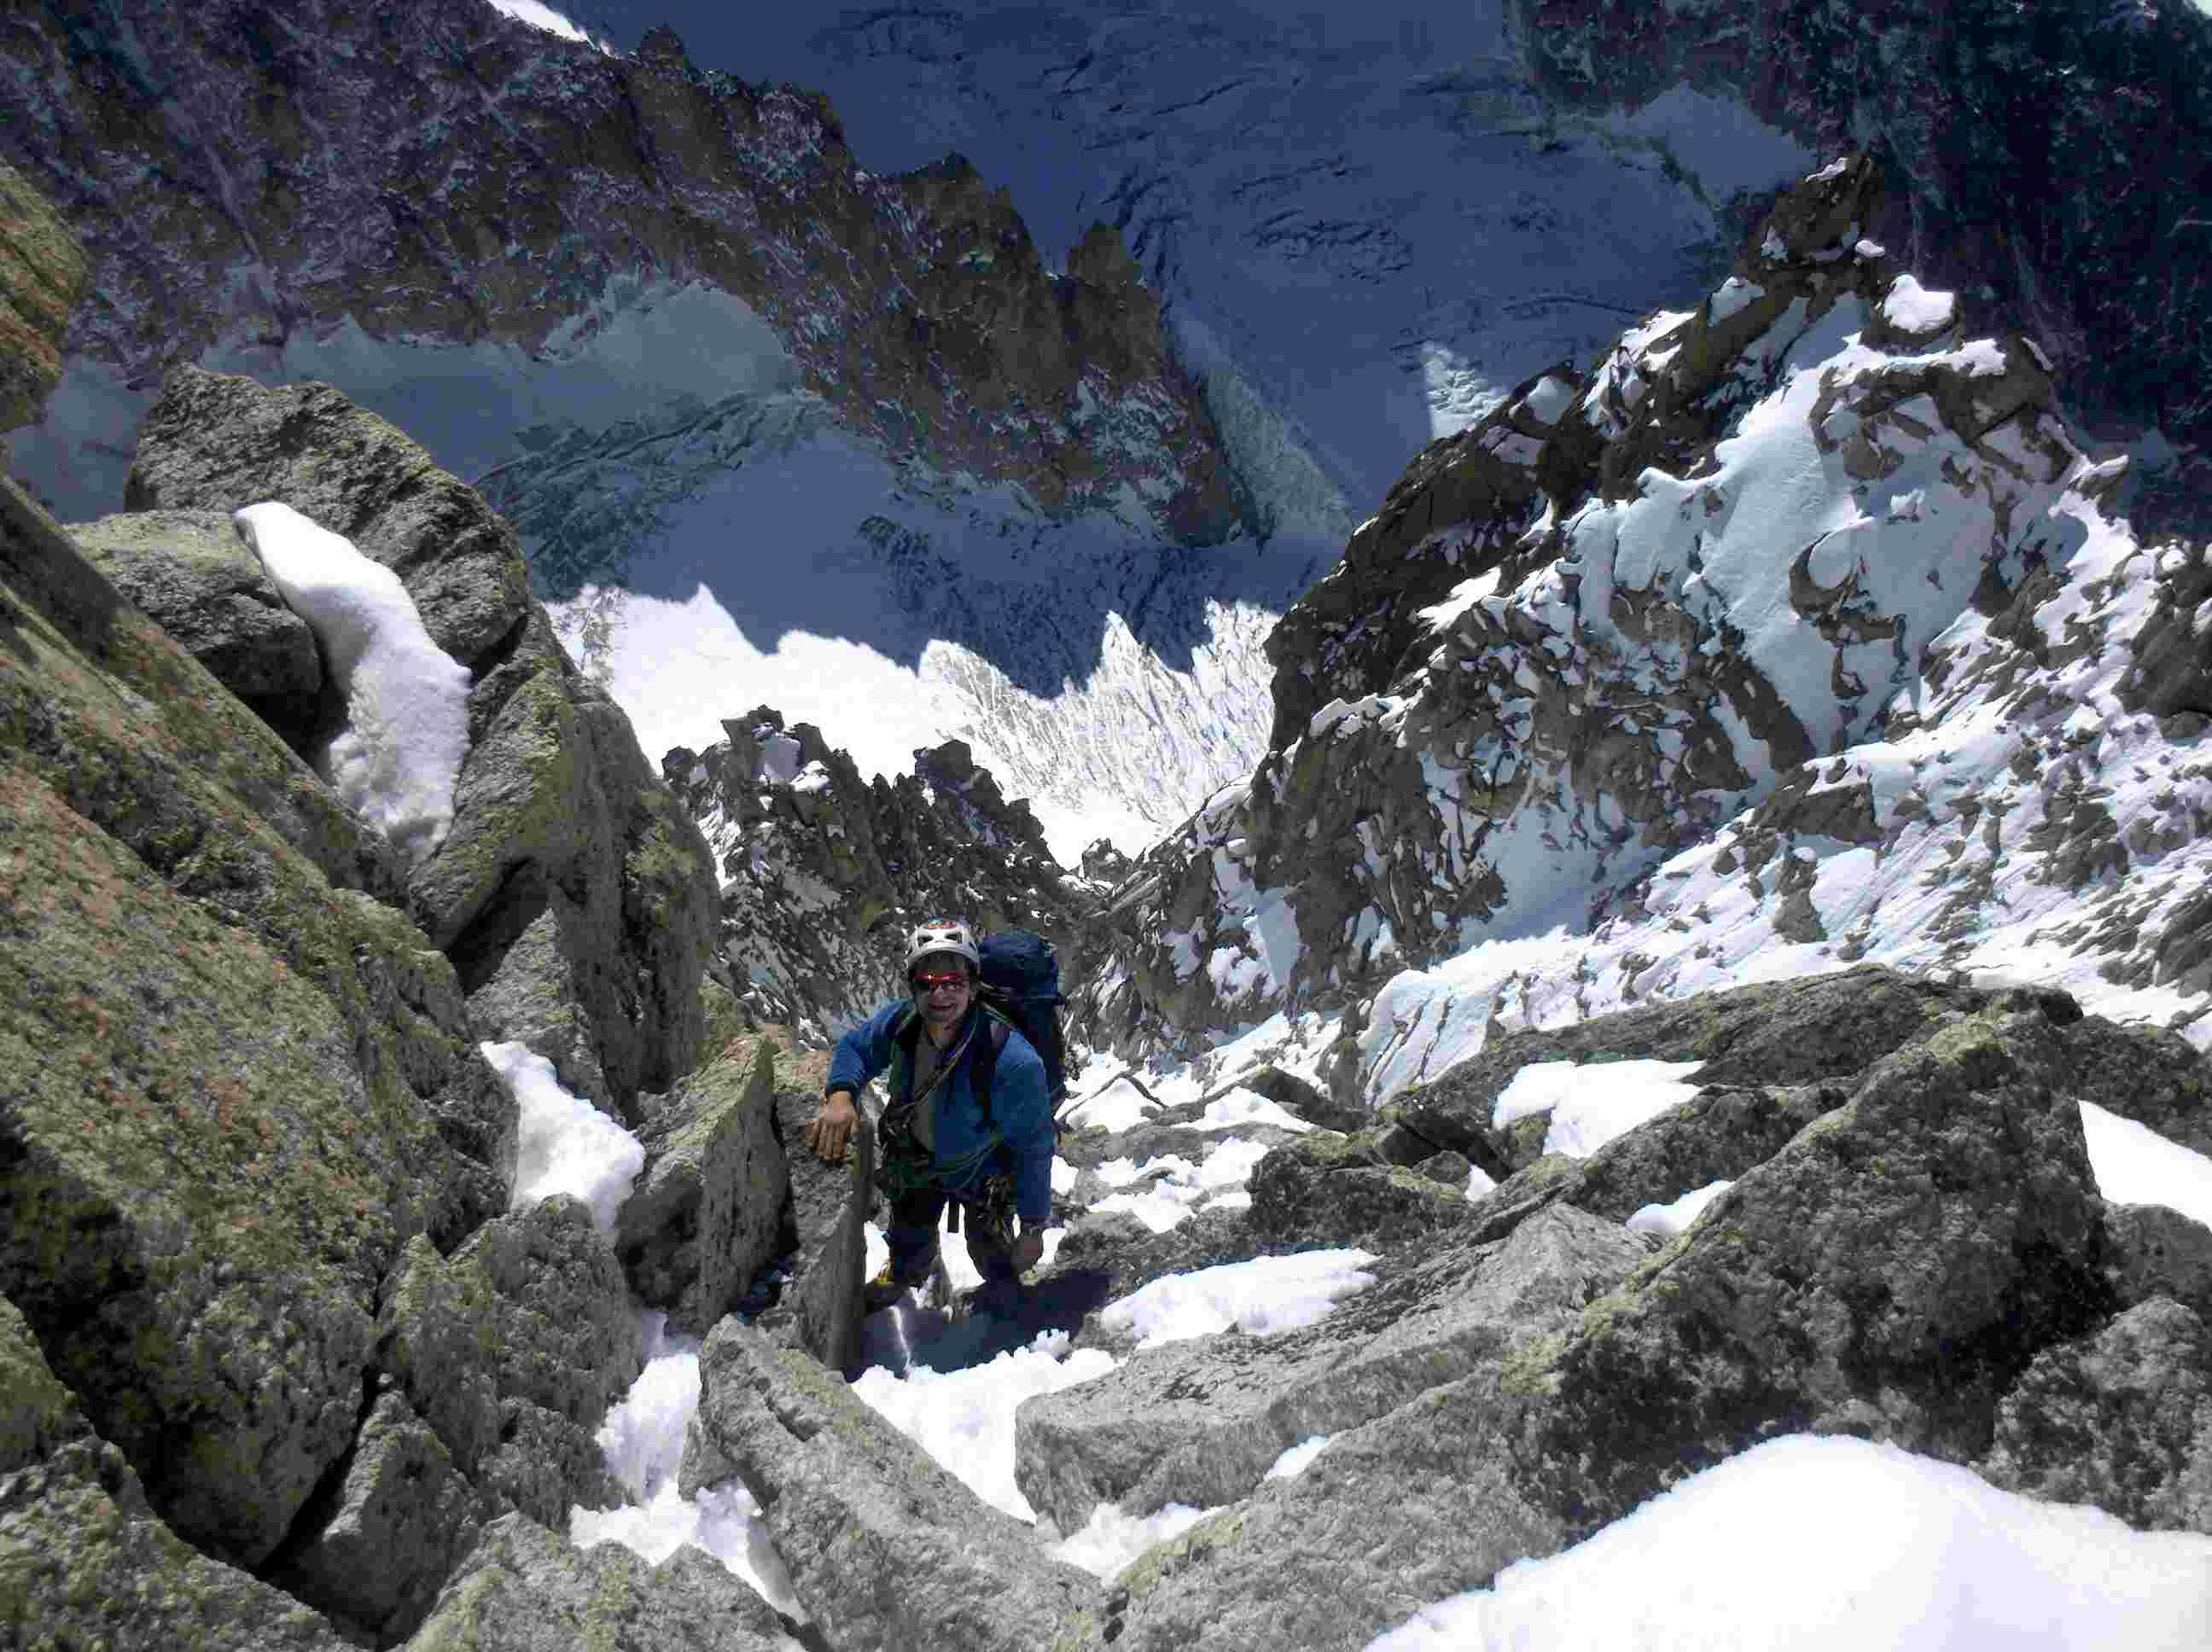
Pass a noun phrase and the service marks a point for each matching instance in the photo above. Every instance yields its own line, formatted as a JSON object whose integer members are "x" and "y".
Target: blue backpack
{"x": 1020, "y": 984}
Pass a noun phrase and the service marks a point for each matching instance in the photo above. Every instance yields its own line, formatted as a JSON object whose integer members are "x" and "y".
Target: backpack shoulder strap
{"x": 985, "y": 1066}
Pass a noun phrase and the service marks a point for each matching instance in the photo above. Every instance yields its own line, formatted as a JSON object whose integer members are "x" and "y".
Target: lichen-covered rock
{"x": 526, "y": 1589}
{"x": 886, "y": 1549}
{"x": 1714, "y": 1136}
{"x": 229, "y": 1088}
{"x": 573, "y": 895}
{"x": 196, "y": 578}
{"x": 2122, "y": 1419}
{"x": 1201, "y": 1422}
{"x": 496, "y": 1368}
{"x": 84, "y": 1560}
{"x": 705, "y": 1216}
{"x": 1415, "y": 1507}
{"x": 42, "y": 277}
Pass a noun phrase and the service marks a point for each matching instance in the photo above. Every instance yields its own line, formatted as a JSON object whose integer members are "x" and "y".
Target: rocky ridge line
{"x": 445, "y": 174}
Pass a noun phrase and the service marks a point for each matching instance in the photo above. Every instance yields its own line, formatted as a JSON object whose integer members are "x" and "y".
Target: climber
{"x": 968, "y": 1122}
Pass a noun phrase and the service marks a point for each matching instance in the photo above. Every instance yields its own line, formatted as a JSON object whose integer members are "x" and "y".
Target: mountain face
{"x": 1792, "y": 631}
{"x": 2048, "y": 162}
{"x": 825, "y": 875}
{"x": 439, "y": 174}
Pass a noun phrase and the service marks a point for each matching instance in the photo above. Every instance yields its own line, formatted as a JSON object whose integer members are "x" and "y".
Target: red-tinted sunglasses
{"x": 923, "y": 980}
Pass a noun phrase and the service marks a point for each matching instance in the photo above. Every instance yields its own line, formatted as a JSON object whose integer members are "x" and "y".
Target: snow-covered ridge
{"x": 1822, "y": 650}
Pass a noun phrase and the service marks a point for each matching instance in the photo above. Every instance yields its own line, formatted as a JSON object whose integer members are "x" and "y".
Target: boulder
{"x": 1792, "y": 1032}
{"x": 885, "y": 1549}
{"x": 195, "y": 578}
{"x": 1201, "y": 1422}
{"x": 84, "y": 1560}
{"x": 234, "y": 1088}
{"x": 2122, "y": 1419}
{"x": 525, "y": 1588}
{"x": 1804, "y": 1299}
{"x": 706, "y": 1215}
{"x": 1417, "y": 1506}
{"x": 573, "y": 895}
{"x": 819, "y": 1308}
{"x": 1116, "y": 1253}
{"x": 1301, "y": 1099}
{"x": 1328, "y": 1189}
{"x": 42, "y": 277}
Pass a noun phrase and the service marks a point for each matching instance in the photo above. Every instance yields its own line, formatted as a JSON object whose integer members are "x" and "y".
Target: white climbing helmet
{"x": 943, "y": 935}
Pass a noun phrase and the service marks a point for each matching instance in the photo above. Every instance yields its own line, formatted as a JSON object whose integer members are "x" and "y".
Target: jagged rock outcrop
{"x": 524, "y": 1588}
{"x": 1786, "y": 1034}
{"x": 703, "y": 1220}
{"x": 573, "y": 895}
{"x": 467, "y": 178}
{"x": 308, "y": 1046}
{"x": 1658, "y": 652}
{"x": 496, "y": 1367}
{"x": 2048, "y": 163}
{"x": 1327, "y": 1188}
{"x": 885, "y": 1549}
{"x": 823, "y": 874}
{"x": 1201, "y": 1422}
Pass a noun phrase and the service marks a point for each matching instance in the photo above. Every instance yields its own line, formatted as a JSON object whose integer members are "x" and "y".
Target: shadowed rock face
{"x": 464, "y": 177}
{"x": 573, "y": 895}
{"x": 2057, "y": 154}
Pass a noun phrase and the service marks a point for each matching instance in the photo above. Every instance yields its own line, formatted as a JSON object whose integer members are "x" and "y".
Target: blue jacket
{"x": 1021, "y": 1110}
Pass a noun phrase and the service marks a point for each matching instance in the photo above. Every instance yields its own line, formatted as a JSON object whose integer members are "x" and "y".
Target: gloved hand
{"x": 828, "y": 1130}
{"x": 1029, "y": 1250}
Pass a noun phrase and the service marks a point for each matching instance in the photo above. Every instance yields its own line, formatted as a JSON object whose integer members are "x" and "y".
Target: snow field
{"x": 965, "y": 1418}
{"x": 406, "y": 731}
{"x": 1835, "y": 1545}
